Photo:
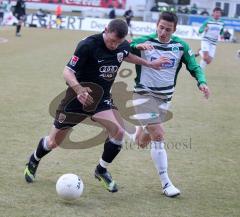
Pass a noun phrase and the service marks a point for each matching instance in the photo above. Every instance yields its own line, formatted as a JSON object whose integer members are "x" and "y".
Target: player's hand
{"x": 144, "y": 46}
{"x": 204, "y": 89}
{"x": 84, "y": 96}
{"x": 160, "y": 62}
{"x": 206, "y": 29}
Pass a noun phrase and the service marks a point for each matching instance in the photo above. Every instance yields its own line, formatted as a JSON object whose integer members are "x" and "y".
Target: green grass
{"x": 207, "y": 172}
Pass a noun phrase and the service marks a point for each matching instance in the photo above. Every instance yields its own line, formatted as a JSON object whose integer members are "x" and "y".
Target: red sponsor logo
{"x": 74, "y": 60}
{"x": 120, "y": 4}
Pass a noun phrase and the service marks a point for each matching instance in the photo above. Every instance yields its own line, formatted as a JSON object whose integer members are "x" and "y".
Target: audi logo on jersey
{"x": 108, "y": 72}
{"x": 108, "y": 69}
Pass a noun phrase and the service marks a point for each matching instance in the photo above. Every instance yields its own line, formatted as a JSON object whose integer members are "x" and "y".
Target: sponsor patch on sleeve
{"x": 74, "y": 60}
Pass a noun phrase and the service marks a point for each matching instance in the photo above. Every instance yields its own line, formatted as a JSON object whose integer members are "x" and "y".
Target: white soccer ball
{"x": 69, "y": 187}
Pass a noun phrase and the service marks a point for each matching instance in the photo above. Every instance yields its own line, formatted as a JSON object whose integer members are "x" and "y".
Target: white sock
{"x": 203, "y": 64}
{"x": 103, "y": 163}
{"x": 35, "y": 156}
{"x": 45, "y": 144}
{"x": 159, "y": 157}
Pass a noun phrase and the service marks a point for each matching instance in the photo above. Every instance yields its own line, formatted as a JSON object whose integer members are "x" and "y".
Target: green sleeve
{"x": 203, "y": 26}
{"x": 192, "y": 66}
{"x": 222, "y": 30}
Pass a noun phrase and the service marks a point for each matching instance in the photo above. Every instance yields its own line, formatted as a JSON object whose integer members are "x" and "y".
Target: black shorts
{"x": 20, "y": 17}
{"x": 71, "y": 112}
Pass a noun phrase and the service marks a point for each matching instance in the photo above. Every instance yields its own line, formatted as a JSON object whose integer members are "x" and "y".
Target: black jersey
{"x": 128, "y": 15}
{"x": 93, "y": 62}
{"x": 20, "y": 8}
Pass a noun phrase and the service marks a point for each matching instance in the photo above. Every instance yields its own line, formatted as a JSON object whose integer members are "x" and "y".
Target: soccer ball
{"x": 69, "y": 187}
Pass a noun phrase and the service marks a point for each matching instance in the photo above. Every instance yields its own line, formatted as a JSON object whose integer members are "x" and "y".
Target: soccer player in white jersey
{"x": 211, "y": 29}
{"x": 154, "y": 88}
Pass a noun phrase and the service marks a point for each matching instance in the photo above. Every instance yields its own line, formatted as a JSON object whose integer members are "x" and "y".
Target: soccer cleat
{"x": 18, "y": 34}
{"x": 170, "y": 190}
{"x": 106, "y": 180}
{"x": 30, "y": 171}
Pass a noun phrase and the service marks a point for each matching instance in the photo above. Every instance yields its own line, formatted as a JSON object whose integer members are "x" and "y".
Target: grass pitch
{"x": 202, "y": 139}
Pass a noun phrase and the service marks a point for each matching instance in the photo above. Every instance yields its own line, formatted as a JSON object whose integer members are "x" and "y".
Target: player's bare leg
{"x": 206, "y": 59}
{"x": 142, "y": 137}
{"x": 19, "y": 26}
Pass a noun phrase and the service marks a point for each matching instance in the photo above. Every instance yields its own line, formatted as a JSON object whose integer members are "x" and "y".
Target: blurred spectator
{"x": 186, "y": 10}
{"x": 194, "y": 9}
{"x": 112, "y": 14}
{"x": 204, "y": 12}
{"x": 58, "y": 14}
{"x": 154, "y": 8}
{"x": 5, "y": 5}
{"x": 128, "y": 16}
{"x": 180, "y": 10}
{"x": 163, "y": 8}
{"x": 172, "y": 9}
{"x": 1, "y": 11}
{"x": 41, "y": 13}
{"x": 226, "y": 35}
{"x": 6, "y": 8}
{"x": 20, "y": 13}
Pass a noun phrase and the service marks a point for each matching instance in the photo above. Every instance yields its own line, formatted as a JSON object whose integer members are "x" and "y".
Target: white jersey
{"x": 161, "y": 83}
{"x": 215, "y": 29}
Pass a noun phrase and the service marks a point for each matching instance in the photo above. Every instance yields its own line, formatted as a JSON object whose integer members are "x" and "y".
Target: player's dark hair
{"x": 168, "y": 16}
{"x": 217, "y": 9}
{"x": 119, "y": 27}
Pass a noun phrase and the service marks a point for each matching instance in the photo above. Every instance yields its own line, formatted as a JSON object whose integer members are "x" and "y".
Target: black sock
{"x": 32, "y": 159}
{"x": 40, "y": 152}
{"x": 111, "y": 150}
{"x": 18, "y": 28}
{"x": 101, "y": 169}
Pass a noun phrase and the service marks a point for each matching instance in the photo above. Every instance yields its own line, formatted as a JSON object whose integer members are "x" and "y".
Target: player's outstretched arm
{"x": 144, "y": 46}
{"x": 155, "y": 64}
{"x": 203, "y": 27}
{"x": 82, "y": 92}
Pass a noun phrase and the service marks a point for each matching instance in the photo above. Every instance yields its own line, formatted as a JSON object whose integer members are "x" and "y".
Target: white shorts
{"x": 207, "y": 46}
{"x": 150, "y": 109}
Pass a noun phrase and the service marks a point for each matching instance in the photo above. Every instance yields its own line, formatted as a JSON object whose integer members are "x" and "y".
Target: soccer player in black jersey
{"x": 90, "y": 74}
{"x": 19, "y": 13}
